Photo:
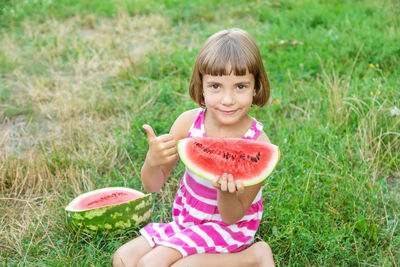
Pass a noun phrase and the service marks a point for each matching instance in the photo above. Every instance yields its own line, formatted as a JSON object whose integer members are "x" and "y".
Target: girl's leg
{"x": 160, "y": 257}
{"x": 259, "y": 254}
{"x": 131, "y": 252}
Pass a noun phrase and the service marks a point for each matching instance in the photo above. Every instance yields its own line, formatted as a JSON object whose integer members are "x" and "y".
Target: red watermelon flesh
{"x": 248, "y": 160}
{"x": 103, "y": 198}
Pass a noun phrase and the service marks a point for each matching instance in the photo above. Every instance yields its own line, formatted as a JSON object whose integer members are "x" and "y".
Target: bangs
{"x": 227, "y": 56}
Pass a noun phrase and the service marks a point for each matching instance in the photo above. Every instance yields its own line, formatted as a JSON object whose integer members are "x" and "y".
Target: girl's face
{"x": 228, "y": 97}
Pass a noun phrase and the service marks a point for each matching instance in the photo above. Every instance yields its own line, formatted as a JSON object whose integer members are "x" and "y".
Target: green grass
{"x": 91, "y": 73}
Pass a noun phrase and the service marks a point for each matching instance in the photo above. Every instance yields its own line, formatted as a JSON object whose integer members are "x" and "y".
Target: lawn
{"x": 79, "y": 78}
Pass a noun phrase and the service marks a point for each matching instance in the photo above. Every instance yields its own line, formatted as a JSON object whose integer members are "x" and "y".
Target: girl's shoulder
{"x": 182, "y": 124}
{"x": 263, "y": 137}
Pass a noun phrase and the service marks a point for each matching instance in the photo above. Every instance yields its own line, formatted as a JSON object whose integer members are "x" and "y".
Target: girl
{"x": 214, "y": 223}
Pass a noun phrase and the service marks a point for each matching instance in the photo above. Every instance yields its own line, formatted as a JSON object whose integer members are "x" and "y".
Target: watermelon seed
{"x": 254, "y": 159}
{"x": 198, "y": 144}
{"x": 208, "y": 151}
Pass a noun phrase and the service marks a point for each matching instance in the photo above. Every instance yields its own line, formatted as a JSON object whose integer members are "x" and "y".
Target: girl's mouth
{"x": 228, "y": 112}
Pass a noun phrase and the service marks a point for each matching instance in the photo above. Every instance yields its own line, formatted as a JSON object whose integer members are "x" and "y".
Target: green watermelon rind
{"x": 113, "y": 219}
{"x": 198, "y": 172}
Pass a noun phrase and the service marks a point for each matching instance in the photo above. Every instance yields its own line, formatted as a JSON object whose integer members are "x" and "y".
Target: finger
{"x": 224, "y": 182}
{"x": 215, "y": 182}
{"x": 170, "y": 144}
{"x": 231, "y": 184}
{"x": 170, "y": 159}
{"x": 239, "y": 187}
{"x": 150, "y": 133}
{"x": 166, "y": 138}
{"x": 168, "y": 148}
{"x": 173, "y": 151}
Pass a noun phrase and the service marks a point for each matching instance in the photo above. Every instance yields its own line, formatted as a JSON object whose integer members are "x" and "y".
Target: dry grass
{"x": 71, "y": 115}
{"x": 379, "y": 138}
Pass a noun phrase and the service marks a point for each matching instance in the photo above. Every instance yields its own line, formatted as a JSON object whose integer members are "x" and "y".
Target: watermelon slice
{"x": 248, "y": 160}
{"x": 109, "y": 210}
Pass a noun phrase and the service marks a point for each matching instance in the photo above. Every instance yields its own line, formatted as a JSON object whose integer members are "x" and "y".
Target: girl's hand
{"x": 162, "y": 149}
{"x": 227, "y": 184}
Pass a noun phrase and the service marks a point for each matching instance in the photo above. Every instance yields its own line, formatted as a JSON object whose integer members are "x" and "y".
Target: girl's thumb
{"x": 150, "y": 133}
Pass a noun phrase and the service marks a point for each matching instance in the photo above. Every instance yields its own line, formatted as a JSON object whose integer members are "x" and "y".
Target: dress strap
{"x": 254, "y": 131}
{"x": 197, "y": 128}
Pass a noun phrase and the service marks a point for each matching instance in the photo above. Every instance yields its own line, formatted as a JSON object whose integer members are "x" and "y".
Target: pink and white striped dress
{"x": 197, "y": 226}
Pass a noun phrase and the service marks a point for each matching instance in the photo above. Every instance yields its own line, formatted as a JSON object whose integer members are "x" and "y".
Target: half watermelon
{"x": 109, "y": 210}
{"x": 247, "y": 160}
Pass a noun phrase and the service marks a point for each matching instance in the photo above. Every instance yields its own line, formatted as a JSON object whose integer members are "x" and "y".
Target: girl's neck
{"x": 214, "y": 129}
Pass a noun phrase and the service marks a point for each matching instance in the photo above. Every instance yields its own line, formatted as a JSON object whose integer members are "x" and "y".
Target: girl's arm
{"x": 233, "y": 198}
{"x": 162, "y": 154}
{"x": 234, "y": 202}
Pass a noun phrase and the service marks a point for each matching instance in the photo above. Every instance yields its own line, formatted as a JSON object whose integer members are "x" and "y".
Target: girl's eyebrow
{"x": 211, "y": 81}
{"x": 243, "y": 82}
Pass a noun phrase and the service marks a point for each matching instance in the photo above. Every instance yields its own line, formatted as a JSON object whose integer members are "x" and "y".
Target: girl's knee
{"x": 263, "y": 247}
{"x": 264, "y": 254}
{"x": 124, "y": 256}
{"x": 144, "y": 262}
{"x": 148, "y": 261}
{"x": 159, "y": 257}
{"x": 117, "y": 259}
{"x": 130, "y": 253}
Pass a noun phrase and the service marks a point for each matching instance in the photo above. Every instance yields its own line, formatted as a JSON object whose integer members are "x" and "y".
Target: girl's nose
{"x": 228, "y": 98}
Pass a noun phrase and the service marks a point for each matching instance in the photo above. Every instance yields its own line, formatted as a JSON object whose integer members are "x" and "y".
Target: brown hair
{"x": 234, "y": 47}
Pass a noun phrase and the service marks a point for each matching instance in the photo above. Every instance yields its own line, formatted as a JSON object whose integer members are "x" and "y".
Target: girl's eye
{"x": 215, "y": 86}
{"x": 241, "y": 87}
